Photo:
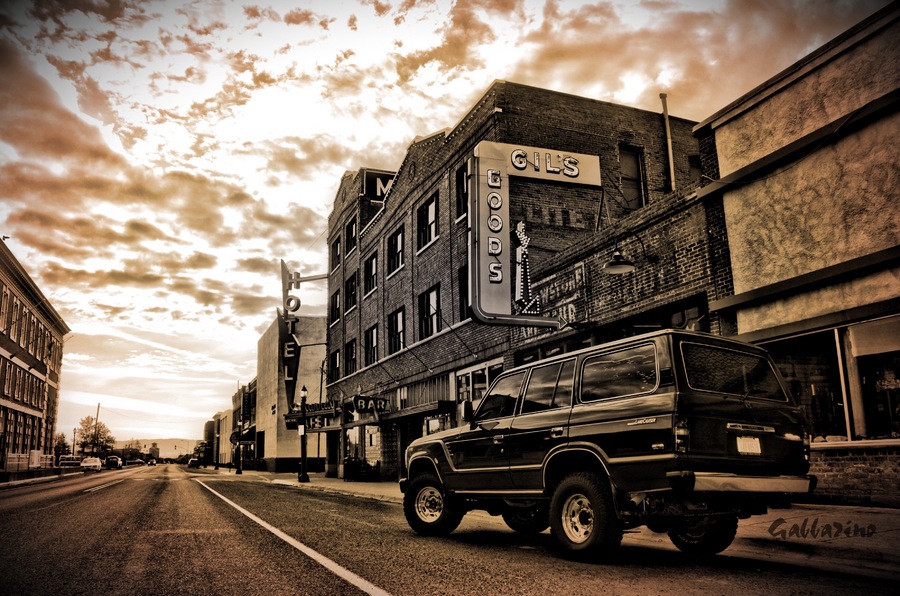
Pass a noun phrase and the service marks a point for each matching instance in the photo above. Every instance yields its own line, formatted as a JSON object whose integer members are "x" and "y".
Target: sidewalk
{"x": 847, "y": 539}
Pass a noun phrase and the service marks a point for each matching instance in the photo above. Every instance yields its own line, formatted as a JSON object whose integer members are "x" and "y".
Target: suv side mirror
{"x": 468, "y": 413}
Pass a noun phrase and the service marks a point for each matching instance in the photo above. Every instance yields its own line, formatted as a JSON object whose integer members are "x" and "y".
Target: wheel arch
{"x": 575, "y": 459}
{"x": 423, "y": 464}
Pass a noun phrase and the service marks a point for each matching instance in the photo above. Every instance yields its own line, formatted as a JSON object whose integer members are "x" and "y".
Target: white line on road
{"x": 322, "y": 560}
{"x": 102, "y": 486}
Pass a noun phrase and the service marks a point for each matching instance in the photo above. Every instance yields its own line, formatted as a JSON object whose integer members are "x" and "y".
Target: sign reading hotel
{"x": 495, "y": 263}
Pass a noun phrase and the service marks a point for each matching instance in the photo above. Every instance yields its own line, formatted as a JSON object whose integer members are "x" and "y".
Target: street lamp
{"x": 217, "y": 451}
{"x": 302, "y": 475}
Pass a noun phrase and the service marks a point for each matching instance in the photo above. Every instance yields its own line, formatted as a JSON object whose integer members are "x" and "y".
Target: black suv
{"x": 681, "y": 431}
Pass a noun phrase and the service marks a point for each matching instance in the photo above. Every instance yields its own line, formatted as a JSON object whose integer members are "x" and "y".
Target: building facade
{"x": 278, "y": 443}
{"x": 412, "y": 327}
{"x": 808, "y": 176}
{"x": 31, "y": 349}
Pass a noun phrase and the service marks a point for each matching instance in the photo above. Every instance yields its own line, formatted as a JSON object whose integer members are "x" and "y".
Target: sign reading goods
{"x": 491, "y": 266}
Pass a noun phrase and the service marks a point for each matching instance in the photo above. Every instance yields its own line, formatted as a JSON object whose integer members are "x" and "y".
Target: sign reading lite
{"x": 490, "y": 250}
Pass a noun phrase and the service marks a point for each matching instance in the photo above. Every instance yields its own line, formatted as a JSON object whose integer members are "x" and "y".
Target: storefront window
{"x": 846, "y": 379}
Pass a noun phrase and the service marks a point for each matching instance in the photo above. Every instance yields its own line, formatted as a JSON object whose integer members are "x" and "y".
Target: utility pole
{"x": 96, "y": 430}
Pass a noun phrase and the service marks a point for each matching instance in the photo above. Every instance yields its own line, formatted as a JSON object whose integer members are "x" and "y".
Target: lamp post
{"x": 302, "y": 475}
{"x": 217, "y": 451}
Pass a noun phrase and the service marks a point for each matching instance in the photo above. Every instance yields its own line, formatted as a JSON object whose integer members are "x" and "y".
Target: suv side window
{"x": 501, "y": 399}
{"x": 626, "y": 372}
{"x": 549, "y": 387}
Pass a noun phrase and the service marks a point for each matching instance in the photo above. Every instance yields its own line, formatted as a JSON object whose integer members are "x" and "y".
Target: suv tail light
{"x": 682, "y": 434}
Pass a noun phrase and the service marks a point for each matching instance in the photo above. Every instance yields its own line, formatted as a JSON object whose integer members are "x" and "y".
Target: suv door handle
{"x": 557, "y": 431}
{"x": 499, "y": 439}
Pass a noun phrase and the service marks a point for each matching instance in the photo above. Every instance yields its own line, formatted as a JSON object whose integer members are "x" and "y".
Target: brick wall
{"x": 857, "y": 475}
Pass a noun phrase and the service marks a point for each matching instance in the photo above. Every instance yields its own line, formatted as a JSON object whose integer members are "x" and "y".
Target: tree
{"x": 94, "y": 436}
{"x": 60, "y": 445}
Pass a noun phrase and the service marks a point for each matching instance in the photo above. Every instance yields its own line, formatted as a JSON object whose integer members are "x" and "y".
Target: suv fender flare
{"x": 426, "y": 462}
{"x": 585, "y": 452}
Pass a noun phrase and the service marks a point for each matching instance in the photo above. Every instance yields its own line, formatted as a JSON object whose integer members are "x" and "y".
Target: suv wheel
{"x": 527, "y": 520}
{"x": 427, "y": 509}
{"x": 582, "y": 517}
{"x": 707, "y": 536}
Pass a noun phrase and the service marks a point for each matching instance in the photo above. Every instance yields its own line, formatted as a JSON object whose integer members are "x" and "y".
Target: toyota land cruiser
{"x": 683, "y": 432}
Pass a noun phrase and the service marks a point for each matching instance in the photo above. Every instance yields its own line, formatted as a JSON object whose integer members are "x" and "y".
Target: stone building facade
{"x": 31, "y": 350}
{"x": 808, "y": 179}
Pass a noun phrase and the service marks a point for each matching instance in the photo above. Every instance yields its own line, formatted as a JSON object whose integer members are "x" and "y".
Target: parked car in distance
{"x": 91, "y": 463}
{"x": 113, "y": 462}
{"x": 69, "y": 461}
{"x": 194, "y": 463}
{"x": 152, "y": 462}
{"x": 134, "y": 462}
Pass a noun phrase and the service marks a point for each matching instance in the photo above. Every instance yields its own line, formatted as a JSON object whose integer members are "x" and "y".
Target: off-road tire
{"x": 427, "y": 509}
{"x": 582, "y": 517}
{"x": 706, "y": 536}
{"x": 527, "y": 520}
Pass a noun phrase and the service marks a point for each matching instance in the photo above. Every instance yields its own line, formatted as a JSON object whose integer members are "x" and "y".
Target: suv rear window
{"x": 616, "y": 374}
{"x": 721, "y": 370}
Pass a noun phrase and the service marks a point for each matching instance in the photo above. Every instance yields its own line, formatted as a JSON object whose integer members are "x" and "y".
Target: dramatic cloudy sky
{"x": 158, "y": 158}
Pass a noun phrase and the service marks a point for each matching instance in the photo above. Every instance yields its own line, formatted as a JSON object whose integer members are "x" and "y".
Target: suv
{"x": 113, "y": 462}
{"x": 680, "y": 431}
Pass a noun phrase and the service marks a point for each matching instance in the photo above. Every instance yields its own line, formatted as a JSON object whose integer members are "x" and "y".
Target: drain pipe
{"x": 662, "y": 97}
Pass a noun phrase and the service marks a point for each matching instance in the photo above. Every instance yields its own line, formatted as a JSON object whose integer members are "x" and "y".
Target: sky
{"x": 159, "y": 158}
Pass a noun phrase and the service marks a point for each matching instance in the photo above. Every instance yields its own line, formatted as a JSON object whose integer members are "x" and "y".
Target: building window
{"x": 395, "y": 251}
{"x": 350, "y": 357}
{"x": 370, "y": 274}
{"x": 335, "y": 258}
{"x": 462, "y": 193}
{"x": 371, "y": 345}
{"x": 350, "y": 236}
{"x": 462, "y": 285}
{"x": 429, "y": 312}
{"x": 847, "y": 379}
{"x": 632, "y": 181}
{"x": 334, "y": 366}
{"x": 695, "y": 168}
{"x": 396, "y": 330}
{"x": 426, "y": 222}
{"x": 334, "y": 311}
{"x": 350, "y": 292}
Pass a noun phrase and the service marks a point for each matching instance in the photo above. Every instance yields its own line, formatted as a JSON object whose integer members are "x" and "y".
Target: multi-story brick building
{"x": 31, "y": 342}
{"x": 586, "y": 178}
{"x": 808, "y": 179}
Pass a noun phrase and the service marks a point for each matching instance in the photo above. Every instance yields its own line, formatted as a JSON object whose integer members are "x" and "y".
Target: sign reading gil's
{"x": 492, "y": 256}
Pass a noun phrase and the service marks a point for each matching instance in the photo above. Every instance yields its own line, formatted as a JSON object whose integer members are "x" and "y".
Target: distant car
{"x": 134, "y": 462}
{"x": 194, "y": 463}
{"x": 91, "y": 463}
{"x": 152, "y": 462}
{"x": 113, "y": 462}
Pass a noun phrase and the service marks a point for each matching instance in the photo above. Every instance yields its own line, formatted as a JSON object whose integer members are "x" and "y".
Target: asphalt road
{"x": 168, "y": 530}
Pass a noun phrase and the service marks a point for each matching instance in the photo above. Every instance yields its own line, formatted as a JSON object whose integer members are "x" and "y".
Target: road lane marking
{"x": 102, "y": 486}
{"x": 322, "y": 560}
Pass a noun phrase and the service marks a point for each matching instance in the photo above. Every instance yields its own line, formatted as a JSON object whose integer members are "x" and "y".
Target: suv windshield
{"x": 720, "y": 370}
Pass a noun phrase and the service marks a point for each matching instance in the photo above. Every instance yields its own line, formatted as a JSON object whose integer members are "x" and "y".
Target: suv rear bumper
{"x": 720, "y": 482}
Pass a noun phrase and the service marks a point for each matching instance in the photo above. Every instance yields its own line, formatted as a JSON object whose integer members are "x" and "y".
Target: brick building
{"x": 808, "y": 181}
{"x": 587, "y": 179}
{"x": 31, "y": 342}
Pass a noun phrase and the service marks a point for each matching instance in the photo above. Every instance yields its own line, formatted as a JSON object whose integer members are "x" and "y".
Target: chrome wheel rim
{"x": 578, "y": 518}
{"x": 429, "y": 504}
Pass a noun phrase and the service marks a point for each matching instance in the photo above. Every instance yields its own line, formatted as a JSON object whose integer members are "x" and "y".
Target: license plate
{"x": 748, "y": 446}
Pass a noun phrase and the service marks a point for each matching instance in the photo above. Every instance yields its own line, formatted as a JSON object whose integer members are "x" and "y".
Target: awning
{"x": 247, "y": 436}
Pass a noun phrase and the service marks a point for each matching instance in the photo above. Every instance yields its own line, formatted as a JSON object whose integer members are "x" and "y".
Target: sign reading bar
{"x": 492, "y": 256}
